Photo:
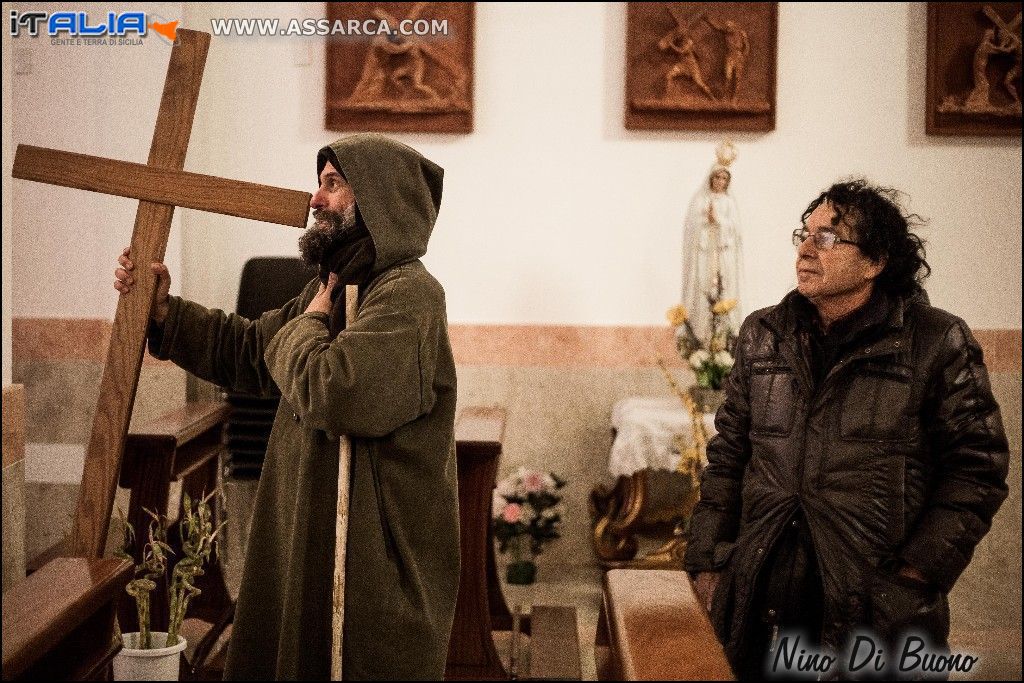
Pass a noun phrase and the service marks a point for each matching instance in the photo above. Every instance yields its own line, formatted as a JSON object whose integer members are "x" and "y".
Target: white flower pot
{"x": 155, "y": 664}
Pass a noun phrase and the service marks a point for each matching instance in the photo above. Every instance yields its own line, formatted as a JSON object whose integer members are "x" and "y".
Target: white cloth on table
{"x": 645, "y": 428}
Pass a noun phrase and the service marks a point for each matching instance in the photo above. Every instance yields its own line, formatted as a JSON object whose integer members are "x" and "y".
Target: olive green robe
{"x": 388, "y": 381}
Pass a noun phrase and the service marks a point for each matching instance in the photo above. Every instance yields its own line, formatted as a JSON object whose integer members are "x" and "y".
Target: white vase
{"x": 154, "y": 664}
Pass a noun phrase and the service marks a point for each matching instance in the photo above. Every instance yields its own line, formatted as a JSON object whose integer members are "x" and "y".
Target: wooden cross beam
{"x": 159, "y": 185}
{"x": 1008, "y": 27}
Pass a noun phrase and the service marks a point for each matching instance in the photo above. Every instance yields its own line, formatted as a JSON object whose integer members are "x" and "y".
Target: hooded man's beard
{"x": 329, "y": 228}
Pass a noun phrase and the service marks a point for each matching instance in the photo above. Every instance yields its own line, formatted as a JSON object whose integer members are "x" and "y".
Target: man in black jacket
{"x": 860, "y": 454}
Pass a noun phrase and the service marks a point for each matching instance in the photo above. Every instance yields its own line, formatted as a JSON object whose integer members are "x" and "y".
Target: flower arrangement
{"x": 692, "y": 456}
{"x": 711, "y": 359}
{"x": 692, "y": 453}
{"x": 526, "y": 504}
{"x": 197, "y": 539}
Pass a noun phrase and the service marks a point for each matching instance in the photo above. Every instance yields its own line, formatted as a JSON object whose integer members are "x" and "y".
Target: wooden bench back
{"x": 58, "y": 623}
{"x": 654, "y": 628}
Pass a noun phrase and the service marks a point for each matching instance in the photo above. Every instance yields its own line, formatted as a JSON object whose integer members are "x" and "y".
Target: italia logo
{"x": 82, "y": 25}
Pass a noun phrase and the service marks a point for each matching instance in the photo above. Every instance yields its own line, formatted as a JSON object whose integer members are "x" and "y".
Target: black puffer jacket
{"x": 899, "y": 454}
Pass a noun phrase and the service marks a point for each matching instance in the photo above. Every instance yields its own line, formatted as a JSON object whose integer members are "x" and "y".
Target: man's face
{"x": 334, "y": 212}
{"x": 839, "y": 272}
{"x": 334, "y": 194}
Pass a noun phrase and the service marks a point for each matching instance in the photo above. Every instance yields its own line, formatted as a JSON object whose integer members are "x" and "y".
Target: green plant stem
{"x": 143, "y": 610}
{"x": 198, "y": 535}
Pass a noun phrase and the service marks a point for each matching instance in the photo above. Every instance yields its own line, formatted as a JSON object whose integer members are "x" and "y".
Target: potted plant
{"x": 527, "y": 514}
{"x": 154, "y": 656}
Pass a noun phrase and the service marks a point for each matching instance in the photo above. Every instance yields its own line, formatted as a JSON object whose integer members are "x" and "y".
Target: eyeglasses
{"x": 823, "y": 239}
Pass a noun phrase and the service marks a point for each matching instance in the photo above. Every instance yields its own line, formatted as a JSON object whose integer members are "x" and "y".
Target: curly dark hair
{"x": 883, "y": 231}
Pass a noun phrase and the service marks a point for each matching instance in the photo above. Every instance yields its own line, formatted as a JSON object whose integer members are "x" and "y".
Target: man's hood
{"x": 397, "y": 190}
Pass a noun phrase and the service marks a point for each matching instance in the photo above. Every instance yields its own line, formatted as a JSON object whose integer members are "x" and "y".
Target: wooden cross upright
{"x": 159, "y": 185}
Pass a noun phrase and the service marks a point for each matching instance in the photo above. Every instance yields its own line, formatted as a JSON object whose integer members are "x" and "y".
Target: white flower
{"x": 506, "y": 487}
{"x": 699, "y": 358}
{"x": 549, "y": 483}
{"x": 520, "y": 477}
{"x": 725, "y": 359}
{"x": 530, "y": 513}
{"x": 497, "y": 504}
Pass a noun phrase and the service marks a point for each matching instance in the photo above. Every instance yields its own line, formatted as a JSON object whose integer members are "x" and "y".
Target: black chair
{"x": 268, "y": 282}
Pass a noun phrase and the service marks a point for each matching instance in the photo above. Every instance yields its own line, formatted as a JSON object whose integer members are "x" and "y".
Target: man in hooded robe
{"x": 387, "y": 381}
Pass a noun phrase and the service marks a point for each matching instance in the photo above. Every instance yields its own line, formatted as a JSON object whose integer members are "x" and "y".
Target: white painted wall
{"x": 553, "y": 213}
{"x": 91, "y": 99}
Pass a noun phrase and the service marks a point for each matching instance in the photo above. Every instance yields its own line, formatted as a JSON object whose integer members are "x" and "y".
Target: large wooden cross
{"x": 159, "y": 185}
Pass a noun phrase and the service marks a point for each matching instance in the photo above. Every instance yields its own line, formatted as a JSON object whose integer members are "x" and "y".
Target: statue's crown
{"x": 726, "y": 153}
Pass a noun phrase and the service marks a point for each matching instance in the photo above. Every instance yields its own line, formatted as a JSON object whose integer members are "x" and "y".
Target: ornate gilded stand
{"x": 621, "y": 512}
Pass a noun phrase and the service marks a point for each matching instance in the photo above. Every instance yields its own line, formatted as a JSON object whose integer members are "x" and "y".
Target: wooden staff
{"x": 341, "y": 523}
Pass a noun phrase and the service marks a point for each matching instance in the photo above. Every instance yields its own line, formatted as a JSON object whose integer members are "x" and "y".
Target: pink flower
{"x": 533, "y": 482}
{"x": 512, "y": 513}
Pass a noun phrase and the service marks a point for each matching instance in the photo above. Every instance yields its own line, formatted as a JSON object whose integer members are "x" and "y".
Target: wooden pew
{"x": 14, "y": 484}
{"x": 58, "y": 623}
{"x": 480, "y": 609}
{"x": 184, "y": 446}
{"x": 480, "y": 604}
{"x": 652, "y": 628}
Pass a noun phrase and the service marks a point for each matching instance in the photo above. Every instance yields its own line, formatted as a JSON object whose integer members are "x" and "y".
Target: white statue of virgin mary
{"x": 711, "y": 247}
